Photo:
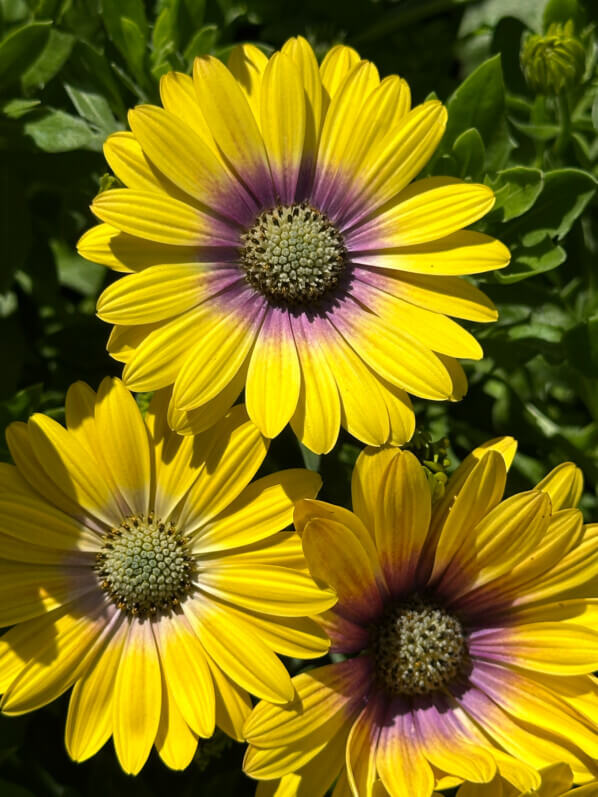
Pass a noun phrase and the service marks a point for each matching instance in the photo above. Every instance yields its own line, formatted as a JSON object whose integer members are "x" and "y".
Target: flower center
{"x": 293, "y": 254}
{"x": 145, "y": 566}
{"x": 418, "y": 648}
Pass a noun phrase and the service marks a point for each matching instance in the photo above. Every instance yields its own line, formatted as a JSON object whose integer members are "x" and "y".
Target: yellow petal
{"x": 361, "y": 752}
{"x": 158, "y": 358}
{"x": 464, "y": 252}
{"x": 397, "y": 159}
{"x": 317, "y": 418}
{"x": 67, "y": 464}
{"x": 300, "y": 52}
{"x": 429, "y": 209}
{"x": 161, "y": 219}
{"x": 224, "y": 341}
{"x": 199, "y": 419}
{"x": 264, "y": 507}
{"x": 89, "y": 719}
{"x": 128, "y": 162}
{"x": 363, "y": 411}
{"x": 233, "y": 124}
{"x": 187, "y": 673}
{"x": 481, "y": 491}
{"x": 180, "y": 154}
{"x": 137, "y": 697}
{"x": 274, "y": 375}
{"x": 129, "y": 460}
{"x": 233, "y": 704}
{"x": 322, "y": 694}
{"x": 400, "y": 761}
{"x": 402, "y": 520}
{"x": 396, "y": 355}
{"x": 44, "y": 678}
{"x": 179, "y": 98}
{"x": 247, "y": 64}
{"x": 564, "y": 485}
{"x": 121, "y": 252}
{"x": 282, "y": 591}
{"x": 153, "y": 295}
{"x": 283, "y": 121}
{"x": 336, "y": 65}
{"x": 448, "y": 295}
{"x": 400, "y": 413}
{"x": 175, "y": 741}
{"x": 366, "y": 480}
{"x": 232, "y": 452}
{"x": 336, "y": 557}
{"x": 236, "y": 649}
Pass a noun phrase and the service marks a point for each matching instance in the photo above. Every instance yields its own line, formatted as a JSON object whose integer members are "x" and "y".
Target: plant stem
{"x": 565, "y": 119}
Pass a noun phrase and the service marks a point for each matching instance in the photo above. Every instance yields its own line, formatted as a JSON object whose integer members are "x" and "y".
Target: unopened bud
{"x": 553, "y": 61}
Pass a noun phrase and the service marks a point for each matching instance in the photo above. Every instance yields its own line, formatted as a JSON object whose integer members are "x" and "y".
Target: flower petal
{"x": 236, "y": 649}
{"x": 317, "y": 418}
{"x": 326, "y": 692}
{"x": 187, "y": 673}
{"x": 247, "y": 63}
{"x": 180, "y": 154}
{"x": 128, "y": 460}
{"x": 162, "y": 219}
{"x": 175, "y": 741}
{"x": 137, "y": 697}
{"x": 264, "y": 507}
{"x": 400, "y": 761}
{"x": 283, "y": 120}
{"x": 274, "y": 375}
{"x": 336, "y": 557}
{"x": 89, "y": 719}
{"x": 564, "y": 485}
{"x": 402, "y": 520}
{"x": 361, "y": 749}
{"x": 463, "y": 252}
{"x": 222, "y": 345}
{"x": 233, "y": 704}
{"x": 282, "y": 591}
{"x": 233, "y": 126}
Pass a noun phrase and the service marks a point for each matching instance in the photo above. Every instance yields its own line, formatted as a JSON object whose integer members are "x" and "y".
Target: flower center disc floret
{"x": 293, "y": 254}
{"x": 418, "y": 648}
{"x": 145, "y": 566}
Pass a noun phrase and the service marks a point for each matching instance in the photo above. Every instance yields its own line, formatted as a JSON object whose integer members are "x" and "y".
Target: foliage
{"x": 70, "y": 69}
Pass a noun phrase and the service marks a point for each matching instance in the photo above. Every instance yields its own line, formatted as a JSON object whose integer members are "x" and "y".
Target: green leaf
{"x": 20, "y": 49}
{"x": 202, "y": 43}
{"x": 89, "y": 70}
{"x": 516, "y": 190}
{"x": 531, "y": 260}
{"x": 595, "y": 112}
{"x": 57, "y": 131}
{"x": 565, "y": 194}
{"x": 126, "y": 24}
{"x": 541, "y": 132}
{"x": 18, "y": 107}
{"x": 480, "y": 102}
{"x": 49, "y": 61}
{"x": 76, "y": 273}
{"x": 94, "y": 108}
{"x": 581, "y": 346}
{"x": 470, "y": 154}
{"x": 15, "y": 227}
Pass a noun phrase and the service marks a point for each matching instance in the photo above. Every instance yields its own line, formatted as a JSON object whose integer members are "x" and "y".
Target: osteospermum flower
{"x": 273, "y": 243}
{"x": 469, "y": 629}
{"x": 142, "y": 568}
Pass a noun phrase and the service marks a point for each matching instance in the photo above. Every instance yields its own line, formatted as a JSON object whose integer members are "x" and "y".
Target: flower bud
{"x": 553, "y": 61}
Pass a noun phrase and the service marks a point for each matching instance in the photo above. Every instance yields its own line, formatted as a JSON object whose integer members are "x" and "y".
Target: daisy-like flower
{"x": 469, "y": 630}
{"x": 274, "y": 244}
{"x": 144, "y": 570}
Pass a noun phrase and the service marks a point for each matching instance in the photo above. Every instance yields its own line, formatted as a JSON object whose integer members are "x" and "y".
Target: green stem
{"x": 565, "y": 118}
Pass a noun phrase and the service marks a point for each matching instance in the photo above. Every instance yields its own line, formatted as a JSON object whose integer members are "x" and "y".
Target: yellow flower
{"x": 469, "y": 630}
{"x": 144, "y": 570}
{"x": 273, "y": 243}
{"x": 556, "y": 782}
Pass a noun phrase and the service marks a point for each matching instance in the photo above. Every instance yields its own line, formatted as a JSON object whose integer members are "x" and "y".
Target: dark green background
{"x": 70, "y": 69}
